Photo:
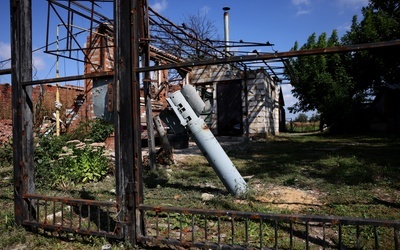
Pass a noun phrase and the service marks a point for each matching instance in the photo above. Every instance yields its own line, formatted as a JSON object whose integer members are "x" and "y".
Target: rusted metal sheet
{"x": 102, "y": 96}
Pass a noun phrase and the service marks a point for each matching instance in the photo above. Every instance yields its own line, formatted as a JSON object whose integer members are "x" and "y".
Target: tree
{"x": 373, "y": 69}
{"x": 314, "y": 118}
{"x": 340, "y": 86}
{"x": 190, "y": 40}
{"x": 301, "y": 118}
{"x": 203, "y": 31}
{"x": 322, "y": 83}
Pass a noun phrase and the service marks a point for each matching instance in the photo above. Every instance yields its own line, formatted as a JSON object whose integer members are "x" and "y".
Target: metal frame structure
{"x": 129, "y": 218}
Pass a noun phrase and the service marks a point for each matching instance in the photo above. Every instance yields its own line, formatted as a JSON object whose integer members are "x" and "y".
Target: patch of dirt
{"x": 282, "y": 197}
{"x": 288, "y": 198}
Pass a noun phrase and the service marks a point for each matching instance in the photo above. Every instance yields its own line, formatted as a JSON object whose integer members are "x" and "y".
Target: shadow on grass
{"x": 99, "y": 217}
{"x": 337, "y": 160}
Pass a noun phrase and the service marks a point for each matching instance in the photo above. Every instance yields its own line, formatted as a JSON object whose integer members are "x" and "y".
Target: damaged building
{"x": 241, "y": 100}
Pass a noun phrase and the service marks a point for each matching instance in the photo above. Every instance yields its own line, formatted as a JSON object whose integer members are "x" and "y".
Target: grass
{"x": 352, "y": 175}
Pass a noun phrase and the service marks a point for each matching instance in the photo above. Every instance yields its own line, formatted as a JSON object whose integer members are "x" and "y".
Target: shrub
{"x": 100, "y": 130}
{"x": 6, "y": 154}
{"x": 58, "y": 162}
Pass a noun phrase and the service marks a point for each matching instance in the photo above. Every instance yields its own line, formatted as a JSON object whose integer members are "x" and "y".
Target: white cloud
{"x": 159, "y": 5}
{"x": 38, "y": 63}
{"x": 5, "y": 51}
{"x": 302, "y": 12}
{"x": 300, "y": 7}
{"x": 204, "y": 11}
{"x": 301, "y": 2}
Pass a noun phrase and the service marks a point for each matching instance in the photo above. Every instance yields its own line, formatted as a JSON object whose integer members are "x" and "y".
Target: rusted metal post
{"x": 145, "y": 49}
{"x": 21, "y": 65}
{"x": 127, "y": 117}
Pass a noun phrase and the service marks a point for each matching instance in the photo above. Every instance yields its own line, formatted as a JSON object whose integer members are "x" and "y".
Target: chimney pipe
{"x": 226, "y": 29}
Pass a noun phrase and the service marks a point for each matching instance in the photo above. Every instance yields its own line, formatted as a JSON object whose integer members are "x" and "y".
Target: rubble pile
{"x": 5, "y": 131}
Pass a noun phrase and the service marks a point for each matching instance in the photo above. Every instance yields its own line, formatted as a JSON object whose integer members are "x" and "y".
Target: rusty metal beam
{"x": 289, "y": 54}
{"x": 5, "y": 71}
{"x": 127, "y": 116}
{"x": 145, "y": 50}
{"x": 22, "y": 105}
{"x": 70, "y": 78}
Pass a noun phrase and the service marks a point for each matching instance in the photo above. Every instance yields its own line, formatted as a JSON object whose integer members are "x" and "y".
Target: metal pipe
{"x": 208, "y": 144}
{"x": 226, "y": 29}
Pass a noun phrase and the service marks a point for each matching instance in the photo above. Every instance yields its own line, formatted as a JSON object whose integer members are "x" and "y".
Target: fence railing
{"x": 76, "y": 216}
{"x": 212, "y": 229}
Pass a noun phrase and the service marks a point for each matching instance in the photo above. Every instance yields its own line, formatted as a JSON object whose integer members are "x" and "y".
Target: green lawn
{"x": 352, "y": 175}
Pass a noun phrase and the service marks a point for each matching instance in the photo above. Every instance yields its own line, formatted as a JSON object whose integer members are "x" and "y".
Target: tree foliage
{"x": 340, "y": 85}
{"x": 301, "y": 118}
{"x": 322, "y": 82}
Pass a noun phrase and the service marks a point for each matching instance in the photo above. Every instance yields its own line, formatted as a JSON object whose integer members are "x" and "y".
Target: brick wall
{"x": 68, "y": 95}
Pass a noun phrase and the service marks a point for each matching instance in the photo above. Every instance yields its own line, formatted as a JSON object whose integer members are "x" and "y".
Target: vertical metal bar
{"x": 127, "y": 118}
{"x": 169, "y": 226}
{"x": 358, "y": 236}
{"x": 145, "y": 49}
{"x": 37, "y": 210}
{"x": 98, "y": 219}
{"x": 68, "y": 27}
{"x": 180, "y": 227}
{"x": 137, "y": 133}
{"x": 340, "y": 236}
{"x": 80, "y": 216}
{"x": 246, "y": 229}
{"x": 261, "y": 233}
{"x": 70, "y": 216}
{"x": 219, "y": 230}
{"x": 29, "y": 213}
{"x": 376, "y": 237}
{"x": 246, "y": 100}
{"x": 71, "y": 27}
{"x": 323, "y": 235}
{"x": 62, "y": 214}
{"x": 307, "y": 237}
{"x": 89, "y": 216}
{"x": 54, "y": 212}
{"x": 45, "y": 212}
{"x": 108, "y": 219}
{"x": 205, "y": 227}
{"x": 232, "y": 229}
{"x": 48, "y": 26}
{"x": 276, "y": 234}
{"x": 22, "y": 106}
{"x": 291, "y": 234}
{"x": 157, "y": 232}
{"x": 192, "y": 228}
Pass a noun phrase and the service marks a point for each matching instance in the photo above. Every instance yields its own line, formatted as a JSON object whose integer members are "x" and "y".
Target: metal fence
{"x": 75, "y": 216}
{"x": 212, "y": 229}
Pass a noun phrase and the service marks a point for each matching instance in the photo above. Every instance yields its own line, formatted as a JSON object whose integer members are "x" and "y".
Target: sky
{"x": 280, "y": 22}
